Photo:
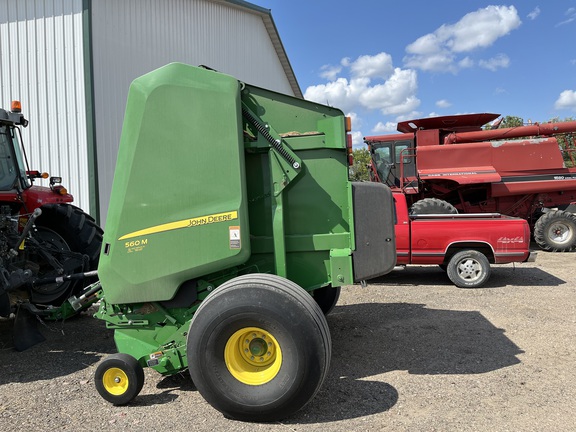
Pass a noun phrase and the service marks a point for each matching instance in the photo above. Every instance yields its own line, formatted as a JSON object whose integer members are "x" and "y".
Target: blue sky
{"x": 384, "y": 62}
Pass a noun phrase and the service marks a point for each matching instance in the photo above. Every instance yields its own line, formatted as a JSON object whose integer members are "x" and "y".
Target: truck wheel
{"x": 326, "y": 297}
{"x": 258, "y": 348}
{"x": 555, "y": 231}
{"x": 119, "y": 378}
{"x": 468, "y": 269}
{"x": 432, "y": 206}
{"x": 67, "y": 228}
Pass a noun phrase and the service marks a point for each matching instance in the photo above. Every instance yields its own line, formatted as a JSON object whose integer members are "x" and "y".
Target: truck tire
{"x": 119, "y": 378}
{"x": 326, "y": 297}
{"x": 468, "y": 269}
{"x": 432, "y": 206}
{"x": 67, "y": 228}
{"x": 258, "y": 348}
{"x": 555, "y": 231}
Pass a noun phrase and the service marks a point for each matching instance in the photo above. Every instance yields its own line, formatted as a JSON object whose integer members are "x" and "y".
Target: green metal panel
{"x": 317, "y": 216}
{"x": 178, "y": 206}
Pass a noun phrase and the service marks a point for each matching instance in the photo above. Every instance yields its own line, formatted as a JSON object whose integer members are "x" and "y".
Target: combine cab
{"x": 449, "y": 164}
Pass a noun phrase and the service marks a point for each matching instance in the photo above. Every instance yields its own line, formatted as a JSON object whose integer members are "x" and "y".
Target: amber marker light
{"x": 16, "y": 106}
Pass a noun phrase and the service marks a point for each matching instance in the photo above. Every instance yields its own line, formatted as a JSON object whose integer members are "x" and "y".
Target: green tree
{"x": 511, "y": 121}
{"x": 507, "y": 122}
{"x": 359, "y": 170}
{"x": 567, "y": 143}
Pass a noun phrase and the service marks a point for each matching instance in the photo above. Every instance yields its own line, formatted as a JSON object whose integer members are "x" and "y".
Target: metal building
{"x": 70, "y": 63}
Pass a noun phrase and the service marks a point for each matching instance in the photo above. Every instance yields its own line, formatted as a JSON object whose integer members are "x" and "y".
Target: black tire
{"x": 432, "y": 206}
{"x": 54, "y": 293}
{"x": 555, "y": 231}
{"x": 326, "y": 297}
{"x": 119, "y": 378}
{"x": 78, "y": 228}
{"x": 259, "y": 348}
{"x": 67, "y": 228}
{"x": 468, "y": 269}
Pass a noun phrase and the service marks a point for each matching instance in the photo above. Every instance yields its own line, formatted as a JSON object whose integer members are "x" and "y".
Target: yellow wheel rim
{"x": 253, "y": 356}
{"x": 115, "y": 381}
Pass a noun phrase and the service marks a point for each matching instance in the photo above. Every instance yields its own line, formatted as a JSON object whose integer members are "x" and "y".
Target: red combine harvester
{"x": 450, "y": 164}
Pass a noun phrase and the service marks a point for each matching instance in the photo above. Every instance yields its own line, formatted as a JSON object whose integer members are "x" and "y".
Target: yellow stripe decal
{"x": 186, "y": 223}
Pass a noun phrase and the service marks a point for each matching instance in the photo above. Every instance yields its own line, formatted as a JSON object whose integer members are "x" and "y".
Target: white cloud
{"x": 355, "y": 119}
{"x": 566, "y": 100}
{"x": 339, "y": 93}
{"x": 395, "y": 96}
{"x": 571, "y": 16}
{"x": 466, "y": 63}
{"x": 373, "y": 84}
{"x": 330, "y": 72}
{"x": 443, "y": 103}
{"x": 500, "y": 61}
{"x": 378, "y": 66}
{"x": 534, "y": 14}
{"x": 438, "y": 51}
{"x": 384, "y": 127}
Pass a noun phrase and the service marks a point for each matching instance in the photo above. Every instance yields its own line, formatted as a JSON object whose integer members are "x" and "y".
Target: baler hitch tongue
{"x": 88, "y": 296}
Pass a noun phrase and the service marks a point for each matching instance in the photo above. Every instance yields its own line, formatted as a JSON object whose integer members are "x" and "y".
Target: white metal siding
{"x": 133, "y": 37}
{"x": 42, "y": 65}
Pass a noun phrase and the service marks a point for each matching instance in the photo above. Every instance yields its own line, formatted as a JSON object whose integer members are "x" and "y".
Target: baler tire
{"x": 258, "y": 348}
{"x": 555, "y": 231}
{"x": 468, "y": 269}
{"x": 119, "y": 378}
{"x": 432, "y": 206}
{"x": 326, "y": 297}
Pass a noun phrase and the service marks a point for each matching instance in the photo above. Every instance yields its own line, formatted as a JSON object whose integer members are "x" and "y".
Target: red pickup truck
{"x": 462, "y": 244}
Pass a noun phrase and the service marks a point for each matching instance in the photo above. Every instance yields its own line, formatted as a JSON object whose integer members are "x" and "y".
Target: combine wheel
{"x": 468, "y": 269}
{"x": 555, "y": 231}
{"x": 326, "y": 297}
{"x": 432, "y": 206}
{"x": 119, "y": 378}
{"x": 258, "y": 348}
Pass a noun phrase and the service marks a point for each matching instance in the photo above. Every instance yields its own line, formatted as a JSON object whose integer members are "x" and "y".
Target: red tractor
{"x": 451, "y": 164}
{"x": 43, "y": 238}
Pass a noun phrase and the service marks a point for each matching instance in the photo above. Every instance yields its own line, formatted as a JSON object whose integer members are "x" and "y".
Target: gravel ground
{"x": 411, "y": 352}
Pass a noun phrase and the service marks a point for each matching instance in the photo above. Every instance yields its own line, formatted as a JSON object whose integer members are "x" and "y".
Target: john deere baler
{"x": 232, "y": 227}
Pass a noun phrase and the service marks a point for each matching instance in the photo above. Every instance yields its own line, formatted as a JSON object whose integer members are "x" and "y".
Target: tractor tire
{"x": 555, "y": 231}
{"x": 468, "y": 269}
{"x": 119, "y": 378}
{"x": 432, "y": 206}
{"x": 258, "y": 348}
{"x": 326, "y": 297}
{"x": 66, "y": 228}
